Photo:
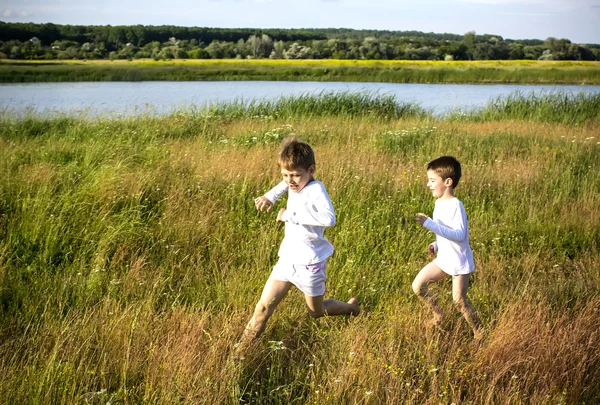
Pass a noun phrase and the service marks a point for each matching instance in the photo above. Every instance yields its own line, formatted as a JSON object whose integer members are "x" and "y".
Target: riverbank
{"x": 513, "y": 72}
{"x": 131, "y": 256}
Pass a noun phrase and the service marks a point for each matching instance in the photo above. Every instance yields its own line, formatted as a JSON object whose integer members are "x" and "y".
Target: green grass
{"x": 534, "y": 72}
{"x": 560, "y": 107}
{"x": 131, "y": 257}
{"x": 338, "y": 104}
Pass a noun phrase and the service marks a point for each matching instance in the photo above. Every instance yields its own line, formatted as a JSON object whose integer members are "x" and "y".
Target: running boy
{"x": 304, "y": 250}
{"x": 454, "y": 255}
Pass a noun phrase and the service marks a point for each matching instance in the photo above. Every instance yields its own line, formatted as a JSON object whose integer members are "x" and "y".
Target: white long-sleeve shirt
{"x": 307, "y": 214}
{"x": 449, "y": 223}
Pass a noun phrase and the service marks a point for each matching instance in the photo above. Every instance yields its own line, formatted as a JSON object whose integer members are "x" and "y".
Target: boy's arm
{"x": 276, "y": 192}
{"x": 319, "y": 213}
{"x": 266, "y": 201}
{"x": 456, "y": 233}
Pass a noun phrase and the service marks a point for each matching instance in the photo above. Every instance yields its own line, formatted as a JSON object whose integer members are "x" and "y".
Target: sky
{"x": 576, "y": 20}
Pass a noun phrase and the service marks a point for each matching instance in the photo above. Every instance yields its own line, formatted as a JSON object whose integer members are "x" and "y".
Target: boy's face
{"x": 436, "y": 184}
{"x": 297, "y": 178}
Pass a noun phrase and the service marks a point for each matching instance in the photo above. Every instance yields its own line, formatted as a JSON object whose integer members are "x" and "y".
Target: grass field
{"x": 524, "y": 71}
{"x": 131, "y": 256}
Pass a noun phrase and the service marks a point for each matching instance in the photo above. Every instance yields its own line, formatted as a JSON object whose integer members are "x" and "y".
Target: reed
{"x": 337, "y": 104}
{"x": 557, "y": 106}
{"x": 131, "y": 256}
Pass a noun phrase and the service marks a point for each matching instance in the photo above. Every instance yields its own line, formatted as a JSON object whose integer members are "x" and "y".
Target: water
{"x": 132, "y": 98}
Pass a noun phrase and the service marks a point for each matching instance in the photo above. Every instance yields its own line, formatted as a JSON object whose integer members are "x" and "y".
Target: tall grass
{"x": 556, "y": 106}
{"x": 131, "y": 257}
{"x": 401, "y": 71}
{"x": 350, "y": 104}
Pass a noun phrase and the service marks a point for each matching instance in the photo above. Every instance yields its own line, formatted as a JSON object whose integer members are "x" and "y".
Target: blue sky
{"x": 577, "y": 20}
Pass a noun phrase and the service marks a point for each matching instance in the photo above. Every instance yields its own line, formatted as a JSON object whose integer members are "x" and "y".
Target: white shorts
{"x": 309, "y": 278}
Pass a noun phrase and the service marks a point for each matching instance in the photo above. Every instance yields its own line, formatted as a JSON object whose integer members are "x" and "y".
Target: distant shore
{"x": 401, "y": 71}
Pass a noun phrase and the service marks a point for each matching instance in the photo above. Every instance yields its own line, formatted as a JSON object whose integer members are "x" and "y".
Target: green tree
{"x": 253, "y": 44}
{"x": 297, "y": 51}
{"x": 216, "y": 50}
{"x": 181, "y": 54}
{"x": 278, "y": 50}
{"x": 241, "y": 49}
{"x": 516, "y": 51}
{"x": 198, "y": 53}
{"x": 469, "y": 42}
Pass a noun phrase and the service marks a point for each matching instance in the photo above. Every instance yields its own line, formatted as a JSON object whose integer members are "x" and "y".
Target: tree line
{"x": 52, "y": 41}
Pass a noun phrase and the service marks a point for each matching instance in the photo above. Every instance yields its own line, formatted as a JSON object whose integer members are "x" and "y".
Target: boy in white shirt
{"x": 304, "y": 250}
{"x": 454, "y": 254}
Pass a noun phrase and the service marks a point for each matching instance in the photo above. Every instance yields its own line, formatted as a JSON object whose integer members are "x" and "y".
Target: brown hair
{"x": 295, "y": 154}
{"x": 446, "y": 167}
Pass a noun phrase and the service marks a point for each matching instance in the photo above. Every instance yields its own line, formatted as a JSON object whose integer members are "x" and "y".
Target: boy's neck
{"x": 448, "y": 194}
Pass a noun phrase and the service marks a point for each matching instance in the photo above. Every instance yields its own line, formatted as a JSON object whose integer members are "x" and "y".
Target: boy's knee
{"x": 419, "y": 288}
{"x": 261, "y": 310}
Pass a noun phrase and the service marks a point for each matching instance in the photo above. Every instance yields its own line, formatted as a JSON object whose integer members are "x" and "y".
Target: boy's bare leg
{"x": 460, "y": 284}
{"x": 272, "y": 294}
{"x": 317, "y": 307}
{"x": 431, "y": 272}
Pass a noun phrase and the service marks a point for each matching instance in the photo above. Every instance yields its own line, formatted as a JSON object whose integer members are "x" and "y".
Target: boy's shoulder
{"x": 315, "y": 186}
{"x": 451, "y": 202}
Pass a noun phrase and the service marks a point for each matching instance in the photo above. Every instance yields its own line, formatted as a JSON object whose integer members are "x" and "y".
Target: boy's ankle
{"x": 479, "y": 333}
{"x": 355, "y": 311}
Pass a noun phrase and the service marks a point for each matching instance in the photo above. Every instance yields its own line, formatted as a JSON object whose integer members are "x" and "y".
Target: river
{"x": 133, "y": 98}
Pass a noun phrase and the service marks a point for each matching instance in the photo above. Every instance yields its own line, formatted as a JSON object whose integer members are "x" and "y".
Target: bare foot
{"x": 437, "y": 320}
{"x": 435, "y": 323}
{"x": 479, "y": 335}
{"x": 241, "y": 348}
{"x": 355, "y": 308}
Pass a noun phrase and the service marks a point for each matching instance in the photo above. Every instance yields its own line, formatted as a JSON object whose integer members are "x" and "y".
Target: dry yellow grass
{"x": 139, "y": 293}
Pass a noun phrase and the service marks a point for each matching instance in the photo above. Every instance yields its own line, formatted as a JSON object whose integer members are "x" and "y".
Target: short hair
{"x": 295, "y": 154}
{"x": 447, "y": 167}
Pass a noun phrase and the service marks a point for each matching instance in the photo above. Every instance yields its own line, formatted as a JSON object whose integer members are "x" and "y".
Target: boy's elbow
{"x": 459, "y": 237}
{"x": 329, "y": 221}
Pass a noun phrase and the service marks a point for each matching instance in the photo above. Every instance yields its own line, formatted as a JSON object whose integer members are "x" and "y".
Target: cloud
{"x": 10, "y": 13}
{"x": 507, "y": 2}
{"x": 550, "y": 3}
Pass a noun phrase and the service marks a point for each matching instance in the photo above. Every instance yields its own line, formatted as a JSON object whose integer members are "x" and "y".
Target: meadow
{"x": 131, "y": 255}
{"x": 400, "y": 71}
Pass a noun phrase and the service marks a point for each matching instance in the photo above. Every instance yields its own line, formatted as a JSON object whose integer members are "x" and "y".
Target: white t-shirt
{"x": 454, "y": 254}
{"x": 307, "y": 215}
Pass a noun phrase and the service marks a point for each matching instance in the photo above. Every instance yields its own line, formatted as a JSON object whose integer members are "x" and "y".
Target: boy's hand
{"x": 431, "y": 250}
{"x": 421, "y": 218}
{"x": 280, "y": 215}
{"x": 263, "y": 203}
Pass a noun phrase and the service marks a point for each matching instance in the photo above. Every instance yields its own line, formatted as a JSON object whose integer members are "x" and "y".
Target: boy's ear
{"x": 312, "y": 169}
{"x": 448, "y": 182}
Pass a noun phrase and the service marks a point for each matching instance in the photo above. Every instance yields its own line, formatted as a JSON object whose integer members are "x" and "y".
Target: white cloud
{"x": 12, "y": 13}
{"x": 507, "y": 2}
{"x": 547, "y": 3}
